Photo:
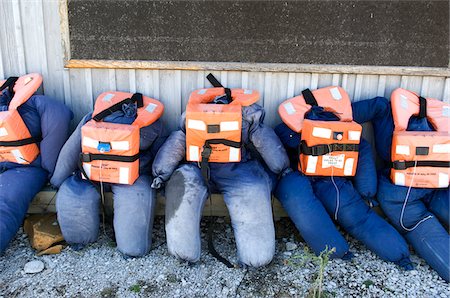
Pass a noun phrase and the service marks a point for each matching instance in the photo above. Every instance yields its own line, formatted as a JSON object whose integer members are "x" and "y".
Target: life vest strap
{"x": 88, "y": 157}
{"x": 403, "y": 165}
{"x": 23, "y": 142}
{"x": 323, "y": 149}
{"x": 136, "y": 98}
{"x": 207, "y": 150}
{"x": 9, "y": 83}
{"x": 309, "y": 98}
{"x": 212, "y": 79}
{"x": 422, "y": 107}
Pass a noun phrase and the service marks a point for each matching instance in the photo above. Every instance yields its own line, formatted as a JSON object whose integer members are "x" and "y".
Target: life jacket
{"x": 16, "y": 142}
{"x": 213, "y": 131}
{"x": 327, "y": 148}
{"x": 110, "y": 151}
{"x": 420, "y": 158}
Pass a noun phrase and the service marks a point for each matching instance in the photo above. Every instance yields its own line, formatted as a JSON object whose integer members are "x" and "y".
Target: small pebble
{"x": 33, "y": 267}
{"x": 291, "y": 246}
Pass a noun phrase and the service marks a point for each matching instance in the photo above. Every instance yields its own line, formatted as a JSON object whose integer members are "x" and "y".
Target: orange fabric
{"x": 149, "y": 113}
{"x": 336, "y": 163}
{"x": 124, "y": 141}
{"x": 205, "y": 121}
{"x": 121, "y": 139}
{"x": 335, "y": 99}
{"x": 406, "y": 103}
{"x": 12, "y": 127}
{"x": 404, "y": 144}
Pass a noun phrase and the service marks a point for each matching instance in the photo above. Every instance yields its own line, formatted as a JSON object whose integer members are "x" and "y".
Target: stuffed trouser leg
{"x": 361, "y": 222}
{"x": 246, "y": 190}
{"x": 186, "y": 194}
{"x": 77, "y": 204}
{"x": 420, "y": 227}
{"x": 309, "y": 216}
{"x": 18, "y": 186}
{"x": 134, "y": 207}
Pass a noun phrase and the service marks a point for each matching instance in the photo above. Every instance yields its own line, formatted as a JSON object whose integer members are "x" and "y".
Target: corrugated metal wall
{"x": 31, "y": 42}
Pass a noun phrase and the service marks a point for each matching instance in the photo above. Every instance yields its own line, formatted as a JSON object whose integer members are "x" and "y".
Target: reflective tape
{"x": 229, "y": 125}
{"x": 120, "y": 145}
{"x": 348, "y": 168}
{"x": 289, "y": 107}
{"x": 443, "y": 180}
{"x": 321, "y": 132}
{"x": 399, "y": 179}
{"x": 196, "y": 124}
{"x": 234, "y": 154}
{"x": 123, "y": 175}
{"x": 201, "y": 91}
{"x": 354, "y": 135}
{"x": 441, "y": 148}
{"x": 87, "y": 170}
{"x": 193, "y": 153}
{"x": 89, "y": 142}
{"x": 312, "y": 164}
{"x": 3, "y": 132}
{"x": 335, "y": 93}
{"x": 402, "y": 149}
{"x": 151, "y": 107}
{"x": 108, "y": 97}
{"x": 18, "y": 156}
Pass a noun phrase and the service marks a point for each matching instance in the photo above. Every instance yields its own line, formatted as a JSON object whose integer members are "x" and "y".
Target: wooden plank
{"x": 447, "y": 91}
{"x": 189, "y": 83}
{"x": 433, "y": 87}
{"x": 9, "y": 16}
{"x": 234, "y": 79}
{"x": 45, "y": 202}
{"x": 170, "y": 92}
{"x": 100, "y": 82}
{"x": 392, "y": 83}
{"x": 18, "y": 34}
{"x": 81, "y": 92}
{"x": 366, "y": 87}
{"x": 411, "y": 83}
{"x": 348, "y": 83}
{"x": 122, "y": 80}
{"x": 264, "y": 67}
{"x": 302, "y": 81}
{"x": 324, "y": 80}
{"x": 255, "y": 81}
{"x": 53, "y": 82}
{"x": 275, "y": 93}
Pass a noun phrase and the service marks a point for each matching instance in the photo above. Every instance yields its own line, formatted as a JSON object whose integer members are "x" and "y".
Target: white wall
{"x": 30, "y": 41}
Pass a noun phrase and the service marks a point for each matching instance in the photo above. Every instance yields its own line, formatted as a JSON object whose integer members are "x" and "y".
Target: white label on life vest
{"x": 348, "y": 168}
{"x": 234, "y": 154}
{"x": 202, "y": 91}
{"x": 196, "y": 124}
{"x": 120, "y": 145}
{"x": 3, "y": 132}
{"x": 336, "y": 161}
{"x": 151, "y": 107}
{"x": 229, "y": 125}
{"x": 354, "y": 135}
{"x": 441, "y": 148}
{"x": 446, "y": 111}
{"x": 248, "y": 91}
{"x": 91, "y": 143}
{"x": 193, "y": 153}
{"x": 108, "y": 97}
{"x": 399, "y": 179}
{"x": 123, "y": 175}
{"x": 289, "y": 107}
{"x": 335, "y": 93}
{"x": 402, "y": 149}
{"x": 18, "y": 156}
{"x": 443, "y": 180}
{"x": 87, "y": 169}
{"x": 403, "y": 101}
{"x": 320, "y": 132}
{"x": 312, "y": 164}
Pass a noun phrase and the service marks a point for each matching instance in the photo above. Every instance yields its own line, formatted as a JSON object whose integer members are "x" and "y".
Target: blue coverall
{"x": 310, "y": 201}
{"x": 19, "y": 184}
{"x": 245, "y": 185}
{"x": 78, "y": 200}
{"x": 425, "y": 219}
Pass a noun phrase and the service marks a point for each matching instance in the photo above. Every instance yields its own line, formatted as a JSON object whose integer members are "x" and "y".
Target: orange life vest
{"x": 16, "y": 143}
{"x": 420, "y": 158}
{"x": 110, "y": 151}
{"x": 213, "y": 131}
{"x": 327, "y": 148}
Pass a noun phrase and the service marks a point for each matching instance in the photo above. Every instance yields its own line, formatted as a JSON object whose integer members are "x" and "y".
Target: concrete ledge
{"x": 46, "y": 199}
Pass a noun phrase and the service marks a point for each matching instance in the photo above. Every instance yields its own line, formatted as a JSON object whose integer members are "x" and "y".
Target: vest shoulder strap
{"x": 21, "y": 88}
{"x": 406, "y": 103}
{"x": 333, "y": 98}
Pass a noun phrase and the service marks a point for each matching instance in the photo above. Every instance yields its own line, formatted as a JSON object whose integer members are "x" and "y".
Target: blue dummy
{"x": 425, "y": 217}
{"x": 19, "y": 184}
{"x": 245, "y": 185}
{"x": 78, "y": 200}
{"x": 314, "y": 202}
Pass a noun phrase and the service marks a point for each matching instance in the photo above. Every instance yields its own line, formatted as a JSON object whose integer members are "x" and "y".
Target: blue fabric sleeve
{"x": 365, "y": 180}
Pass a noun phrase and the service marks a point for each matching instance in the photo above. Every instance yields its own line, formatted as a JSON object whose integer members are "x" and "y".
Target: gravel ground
{"x": 100, "y": 271}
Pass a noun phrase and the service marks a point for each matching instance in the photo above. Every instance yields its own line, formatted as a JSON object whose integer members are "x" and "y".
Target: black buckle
{"x": 399, "y": 165}
{"x": 85, "y": 157}
{"x": 206, "y": 153}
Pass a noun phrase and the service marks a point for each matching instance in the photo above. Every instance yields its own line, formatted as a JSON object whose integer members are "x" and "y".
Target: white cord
{"x": 337, "y": 189}
{"x": 406, "y": 202}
